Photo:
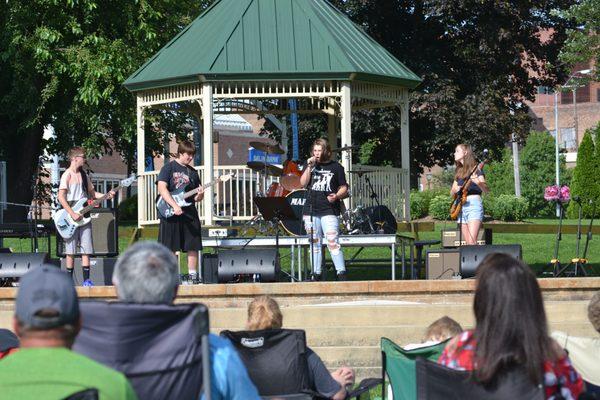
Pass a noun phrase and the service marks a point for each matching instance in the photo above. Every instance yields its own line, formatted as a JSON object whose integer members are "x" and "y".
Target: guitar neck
{"x": 194, "y": 191}
{"x": 97, "y": 201}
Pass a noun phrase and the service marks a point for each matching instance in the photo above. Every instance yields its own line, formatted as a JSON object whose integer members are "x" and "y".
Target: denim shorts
{"x": 472, "y": 209}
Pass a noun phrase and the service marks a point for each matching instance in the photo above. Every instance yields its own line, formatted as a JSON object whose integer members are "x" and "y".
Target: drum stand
{"x": 554, "y": 262}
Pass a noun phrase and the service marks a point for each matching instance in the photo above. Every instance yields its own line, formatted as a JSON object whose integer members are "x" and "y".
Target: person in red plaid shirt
{"x": 511, "y": 330}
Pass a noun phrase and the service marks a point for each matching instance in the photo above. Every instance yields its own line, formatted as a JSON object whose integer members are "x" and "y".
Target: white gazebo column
{"x": 141, "y": 163}
{"x": 346, "y": 133}
{"x": 405, "y": 150}
{"x": 207, "y": 149}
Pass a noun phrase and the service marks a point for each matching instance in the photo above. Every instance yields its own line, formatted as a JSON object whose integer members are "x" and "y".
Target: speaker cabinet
{"x": 101, "y": 270}
{"x": 15, "y": 265}
{"x": 105, "y": 234}
{"x": 471, "y": 256}
{"x": 451, "y": 237}
{"x": 442, "y": 263}
{"x": 210, "y": 268}
{"x": 248, "y": 262}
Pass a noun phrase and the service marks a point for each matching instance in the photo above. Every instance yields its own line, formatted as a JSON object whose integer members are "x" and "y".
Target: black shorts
{"x": 180, "y": 233}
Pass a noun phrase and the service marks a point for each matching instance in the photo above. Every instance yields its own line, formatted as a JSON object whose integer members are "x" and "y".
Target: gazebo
{"x": 253, "y": 56}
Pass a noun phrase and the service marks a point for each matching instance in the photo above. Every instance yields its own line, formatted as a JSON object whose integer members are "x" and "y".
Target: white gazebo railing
{"x": 233, "y": 200}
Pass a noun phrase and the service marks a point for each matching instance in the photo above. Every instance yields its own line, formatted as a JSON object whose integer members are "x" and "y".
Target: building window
{"x": 568, "y": 138}
{"x": 544, "y": 90}
{"x": 103, "y": 186}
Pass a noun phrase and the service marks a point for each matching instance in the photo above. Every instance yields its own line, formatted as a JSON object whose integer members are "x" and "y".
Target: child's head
{"x": 442, "y": 329}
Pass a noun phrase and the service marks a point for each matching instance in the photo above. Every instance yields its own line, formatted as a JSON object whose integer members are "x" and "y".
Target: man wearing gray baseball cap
{"x": 47, "y": 321}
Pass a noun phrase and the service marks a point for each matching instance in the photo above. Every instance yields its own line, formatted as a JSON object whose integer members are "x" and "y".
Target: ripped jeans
{"x": 329, "y": 225}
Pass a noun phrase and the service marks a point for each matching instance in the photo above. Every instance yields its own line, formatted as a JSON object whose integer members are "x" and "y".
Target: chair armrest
{"x": 364, "y": 386}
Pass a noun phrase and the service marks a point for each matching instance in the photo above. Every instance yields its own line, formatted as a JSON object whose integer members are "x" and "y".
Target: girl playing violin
{"x": 471, "y": 215}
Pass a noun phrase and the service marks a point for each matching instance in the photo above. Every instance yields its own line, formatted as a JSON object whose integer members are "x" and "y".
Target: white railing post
{"x": 405, "y": 150}
{"x": 207, "y": 148}
{"x": 141, "y": 162}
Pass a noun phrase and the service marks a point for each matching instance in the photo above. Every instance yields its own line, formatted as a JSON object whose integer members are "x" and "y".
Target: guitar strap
{"x": 84, "y": 182}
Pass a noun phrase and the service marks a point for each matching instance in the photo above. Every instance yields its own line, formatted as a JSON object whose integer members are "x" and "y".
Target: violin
{"x": 460, "y": 197}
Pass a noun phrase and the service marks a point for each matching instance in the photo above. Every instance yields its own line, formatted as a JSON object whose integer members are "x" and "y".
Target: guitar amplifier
{"x": 105, "y": 234}
{"x": 442, "y": 263}
{"x": 450, "y": 238}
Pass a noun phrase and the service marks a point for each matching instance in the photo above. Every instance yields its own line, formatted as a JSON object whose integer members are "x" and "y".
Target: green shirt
{"x": 56, "y": 373}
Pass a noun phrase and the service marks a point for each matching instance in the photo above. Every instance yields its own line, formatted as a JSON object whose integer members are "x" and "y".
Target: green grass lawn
{"x": 538, "y": 249}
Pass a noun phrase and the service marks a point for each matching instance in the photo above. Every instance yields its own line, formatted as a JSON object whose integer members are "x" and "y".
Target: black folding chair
{"x": 435, "y": 381}
{"x": 162, "y": 349}
{"x": 276, "y": 360}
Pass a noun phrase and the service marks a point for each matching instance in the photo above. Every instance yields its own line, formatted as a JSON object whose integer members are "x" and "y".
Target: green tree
{"x": 584, "y": 183}
{"x": 583, "y": 43}
{"x": 538, "y": 169}
{"x": 62, "y": 62}
{"x": 499, "y": 175}
{"x": 475, "y": 58}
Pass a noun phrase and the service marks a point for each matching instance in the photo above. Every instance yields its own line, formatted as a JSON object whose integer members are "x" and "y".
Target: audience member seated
{"x": 47, "y": 321}
{"x": 9, "y": 343}
{"x": 264, "y": 313}
{"x": 438, "y": 331}
{"x": 583, "y": 351}
{"x": 511, "y": 331}
{"x": 148, "y": 273}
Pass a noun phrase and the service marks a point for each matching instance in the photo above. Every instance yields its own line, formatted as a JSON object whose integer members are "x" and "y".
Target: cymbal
{"x": 290, "y": 182}
{"x": 345, "y": 148}
{"x": 267, "y": 148}
{"x": 262, "y": 167}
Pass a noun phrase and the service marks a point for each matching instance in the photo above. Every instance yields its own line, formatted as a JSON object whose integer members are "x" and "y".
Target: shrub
{"x": 585, "y": 177}
{"x": 507, "y": 207}
{"x": 128, "y": 209}
{"x": 500, "y": 176}
{"x": 419, "y": 204}
{"x": 538, "y": 171}
{"x": 439, "y": 207}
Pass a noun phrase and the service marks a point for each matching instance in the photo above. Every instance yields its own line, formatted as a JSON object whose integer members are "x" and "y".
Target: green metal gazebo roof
{"x": 271, "y": 40}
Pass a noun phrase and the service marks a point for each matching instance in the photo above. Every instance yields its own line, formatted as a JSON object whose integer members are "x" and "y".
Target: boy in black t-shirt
{"x": 327, "y": 180}
{"x": 181, "y": 232}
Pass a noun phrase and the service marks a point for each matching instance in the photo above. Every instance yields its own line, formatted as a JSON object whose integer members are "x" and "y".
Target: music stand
{"x": 275, "y": 209}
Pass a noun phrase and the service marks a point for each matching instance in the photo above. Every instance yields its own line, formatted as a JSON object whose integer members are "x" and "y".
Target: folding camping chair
{"x": 276, "y": 360}
{"x": 162, "y": 349}
{"x": 399, "y": 365}
{"x": 437, "y": 382}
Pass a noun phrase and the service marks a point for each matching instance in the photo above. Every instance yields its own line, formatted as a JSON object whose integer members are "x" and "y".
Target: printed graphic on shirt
{"x": 322, "y": 181}
{"x": 180, "y": 179}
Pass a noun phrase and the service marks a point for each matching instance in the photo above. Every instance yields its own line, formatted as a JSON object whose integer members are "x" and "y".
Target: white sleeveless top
{"x": 71, "y": 182}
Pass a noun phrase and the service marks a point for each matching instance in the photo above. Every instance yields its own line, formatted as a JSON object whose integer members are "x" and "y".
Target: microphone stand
{"x": 32, "y": 209}
{"x": 311, "y": 234}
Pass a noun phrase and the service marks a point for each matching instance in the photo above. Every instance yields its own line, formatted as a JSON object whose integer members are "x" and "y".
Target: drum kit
{"x": 359, "y": 220}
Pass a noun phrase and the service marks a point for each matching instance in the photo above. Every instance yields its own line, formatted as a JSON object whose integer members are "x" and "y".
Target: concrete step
{"x": 342, "y": 316}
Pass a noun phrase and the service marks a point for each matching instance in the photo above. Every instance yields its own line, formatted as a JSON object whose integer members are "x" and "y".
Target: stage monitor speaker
{"x": 450, "y": 238}
{"x": 248, "y": 262}
{"x": 210, "y": 268}
{"x": 15, "y": 265}
{"x": 442, "y": 263}
{"x": 471, "y": 256}
{"x": 105, "y": 234}
{"x": 101, "y": 270}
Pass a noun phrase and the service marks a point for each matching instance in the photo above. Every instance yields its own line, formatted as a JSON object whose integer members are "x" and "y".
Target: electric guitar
{"x": 66, "y": 226}
{"x": 166, "y": 211}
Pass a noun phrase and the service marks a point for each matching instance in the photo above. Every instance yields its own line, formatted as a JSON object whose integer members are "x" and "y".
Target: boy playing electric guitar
{"x": 75, "y": 185}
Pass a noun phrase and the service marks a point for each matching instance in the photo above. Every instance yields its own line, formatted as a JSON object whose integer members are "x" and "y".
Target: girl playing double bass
{"x": 471, "y": 215}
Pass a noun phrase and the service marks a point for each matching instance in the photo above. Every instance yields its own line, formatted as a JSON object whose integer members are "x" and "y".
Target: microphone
{"x": 485, "y": 153}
